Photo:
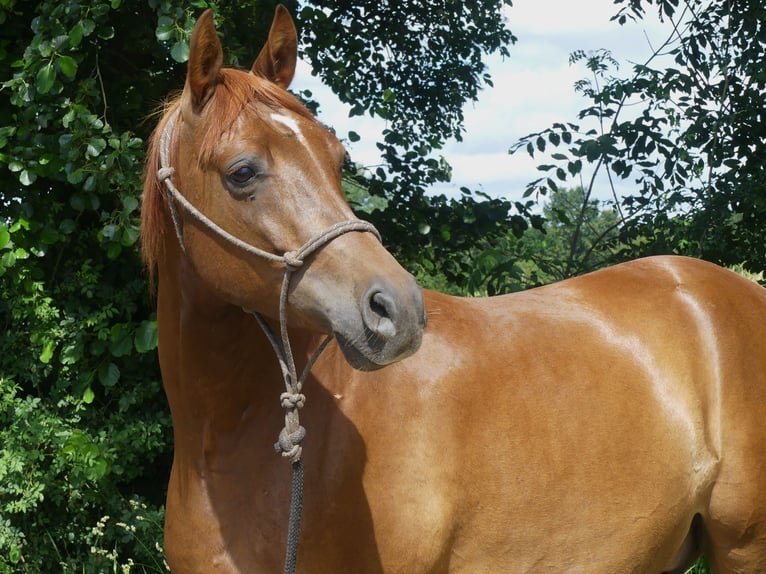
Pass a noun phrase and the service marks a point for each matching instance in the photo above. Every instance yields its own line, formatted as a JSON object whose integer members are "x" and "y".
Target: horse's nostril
{"x": 380, "y": 314}
{"x": 380, "y": 304}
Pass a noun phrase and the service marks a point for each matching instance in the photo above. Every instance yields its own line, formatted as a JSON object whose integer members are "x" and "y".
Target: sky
{"x": 533, "y": 88}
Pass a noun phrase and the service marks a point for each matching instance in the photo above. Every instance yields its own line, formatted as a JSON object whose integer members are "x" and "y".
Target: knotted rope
{"x": 292, "y": 399}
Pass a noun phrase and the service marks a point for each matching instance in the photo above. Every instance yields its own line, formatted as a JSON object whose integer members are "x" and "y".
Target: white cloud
{"x": 532, "y": 89}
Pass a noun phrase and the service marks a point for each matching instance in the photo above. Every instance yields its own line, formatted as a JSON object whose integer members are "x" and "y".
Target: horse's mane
{"x": 236, "y": 90}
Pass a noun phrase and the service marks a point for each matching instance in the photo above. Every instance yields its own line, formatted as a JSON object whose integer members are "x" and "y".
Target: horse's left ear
{"x": 277, "y": 59}
{"x": 205, "y": 61}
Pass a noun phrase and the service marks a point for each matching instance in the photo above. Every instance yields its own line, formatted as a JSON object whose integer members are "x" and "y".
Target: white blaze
{"x": 291, "y": 124}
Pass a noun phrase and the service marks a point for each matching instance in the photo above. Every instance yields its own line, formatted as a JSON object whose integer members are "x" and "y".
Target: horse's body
{"x": 607, "y": 424}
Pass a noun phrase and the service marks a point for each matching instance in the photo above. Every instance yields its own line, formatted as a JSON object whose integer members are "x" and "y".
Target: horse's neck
{"x": 218, "y": 367}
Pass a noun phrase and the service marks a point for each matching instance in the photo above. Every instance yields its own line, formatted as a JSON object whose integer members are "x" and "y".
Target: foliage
{"x": 415, "y": 67}
{"x": 139, "y": 527}
{"x": 84, "y": 427}
{"x": 83, "y": 421}
{"x": 578, "y": 236}
{"x": 701, "y": 567}
{"x": 694, "y": 144}
{"x": 573, "y": 237}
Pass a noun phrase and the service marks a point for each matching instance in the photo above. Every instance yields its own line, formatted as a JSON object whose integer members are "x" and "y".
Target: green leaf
{"x": 67, "y": 226}
{"x": 121, "y": 342}
{"x": 27, "y": 178}
{"x": 88, "y": 396}
{"x": 180, "y": 51}
{"x": 129, "y": 204}
{"x": 98, "y": 469}
{"x": 357, "y": 110}
{"x": 110, "y": 231}
{"x": 5, "y": 236}
{"x": 21, "y": 223}
{"x": 113, "y": 250}
{"x": 87, "y": 27}
{"x": 90, "y": 183}
{"x": 95, "y": 146}
{"x": 46, "y": 76}
{"x": 8, "y": 259}
{"x": 574, "y": 167}
{"x": 130, "y": 235}
{"x": 68, "y": 66}
{"x": 146, "y": 337}
{"x": 47, "y": 352}
{"x": 106, "y": 32}
{"x": 109, "y": 374}
{"x": 165, "y": 28}
{"x": 353, "y": 136}
{"x": 76, "y": 34}
{"x": 5, "y": 133}
{"x": 49, "y": 235}
{"x": 77, "y": 201}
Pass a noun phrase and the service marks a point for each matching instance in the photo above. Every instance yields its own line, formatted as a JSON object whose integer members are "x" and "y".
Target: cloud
{"x": 532, "y": 89}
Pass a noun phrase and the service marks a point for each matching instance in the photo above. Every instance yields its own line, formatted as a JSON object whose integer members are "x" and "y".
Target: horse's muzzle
{"x": 392, "y": 323}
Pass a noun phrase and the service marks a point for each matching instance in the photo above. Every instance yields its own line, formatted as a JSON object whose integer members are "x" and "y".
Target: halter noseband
{"x": 292, "y": 399}
{"x": 289, "y": 258}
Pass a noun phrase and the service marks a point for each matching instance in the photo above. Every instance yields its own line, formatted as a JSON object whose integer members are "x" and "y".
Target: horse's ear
{"x": 277, "y": 59}
{"x": 205, "y": 61}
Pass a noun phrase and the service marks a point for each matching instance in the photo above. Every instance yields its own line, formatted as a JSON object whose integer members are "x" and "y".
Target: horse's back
{"x": 562, "y": 424}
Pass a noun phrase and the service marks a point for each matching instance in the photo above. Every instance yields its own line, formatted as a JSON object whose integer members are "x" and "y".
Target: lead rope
{"x": 292, "y": 399}
{"x": 291, "y": 436}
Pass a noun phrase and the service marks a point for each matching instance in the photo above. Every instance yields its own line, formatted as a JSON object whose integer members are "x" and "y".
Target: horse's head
{"x": 257, "y": 164}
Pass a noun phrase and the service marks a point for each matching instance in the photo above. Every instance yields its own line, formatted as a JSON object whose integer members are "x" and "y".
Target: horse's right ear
{"x": 278, "y": 57}
{"x": 205, "y": 61}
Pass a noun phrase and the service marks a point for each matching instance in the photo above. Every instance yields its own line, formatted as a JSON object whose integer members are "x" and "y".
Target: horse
{"x": 611, "y": 423}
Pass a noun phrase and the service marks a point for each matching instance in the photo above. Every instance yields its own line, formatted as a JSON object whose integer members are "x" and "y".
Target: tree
{"x": 696, "y": 147}
{"x": 415, "y": 67}
{"x": 571, "y": 237}
{"x": 84, "y": 429}
{"x": 579, "y": 235}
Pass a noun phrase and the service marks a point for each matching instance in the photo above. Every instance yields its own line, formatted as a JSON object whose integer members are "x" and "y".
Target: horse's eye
{"x": 242, "y": 176}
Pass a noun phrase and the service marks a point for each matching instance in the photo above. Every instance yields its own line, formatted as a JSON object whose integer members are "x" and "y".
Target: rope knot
{"x": 165, "y": 173}
{"x": 292, "y": 259}
{"x": 289, "y": 444}
{"x": 292, "y": 400}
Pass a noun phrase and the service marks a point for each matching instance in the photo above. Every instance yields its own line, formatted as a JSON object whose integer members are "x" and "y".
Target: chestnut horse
{"x": 607, "y": 424}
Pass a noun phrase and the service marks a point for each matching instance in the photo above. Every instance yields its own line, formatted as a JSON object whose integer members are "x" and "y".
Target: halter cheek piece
{"x": 292, "y": 399}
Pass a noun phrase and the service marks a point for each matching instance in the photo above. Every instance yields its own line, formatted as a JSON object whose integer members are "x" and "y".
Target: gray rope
{"x": 292, "y": 399}
{"x": 294, "y": 523}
